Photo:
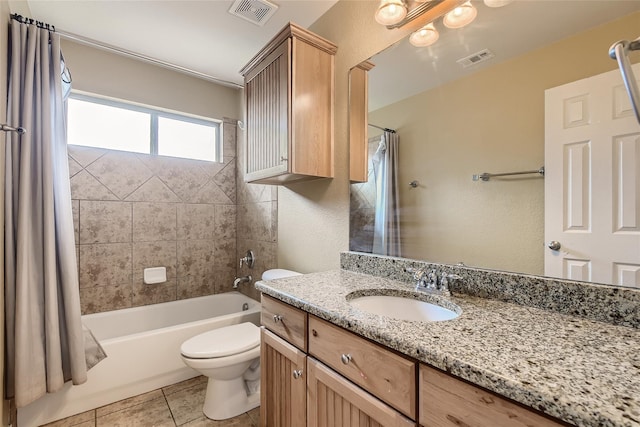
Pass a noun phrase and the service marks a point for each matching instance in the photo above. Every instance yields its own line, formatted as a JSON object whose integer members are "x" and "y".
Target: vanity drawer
{"x": 449, "y": 402}
{"x": 383, "y": 373}
{"x": 284, "y": 320}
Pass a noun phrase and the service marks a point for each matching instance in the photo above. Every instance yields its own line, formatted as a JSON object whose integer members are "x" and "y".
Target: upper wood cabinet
{"x": 359, "y": 122}
{"x": 289, "y": 89}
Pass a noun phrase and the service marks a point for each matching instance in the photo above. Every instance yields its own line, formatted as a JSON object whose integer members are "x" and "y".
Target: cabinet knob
{"x": 277, "y": 318}
{"x": 283, "y": 159}
{"x": 297, "y": 373}
{"x": 346, "y": 358}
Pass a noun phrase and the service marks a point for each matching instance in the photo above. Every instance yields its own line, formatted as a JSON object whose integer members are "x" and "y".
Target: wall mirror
{"x": 474, "y": 102}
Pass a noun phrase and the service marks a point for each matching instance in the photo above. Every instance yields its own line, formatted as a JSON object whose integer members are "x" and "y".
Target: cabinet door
{"x": 333, "y": 401}
{"x": 268, "y": 98}
{"x": 282, "y": 382}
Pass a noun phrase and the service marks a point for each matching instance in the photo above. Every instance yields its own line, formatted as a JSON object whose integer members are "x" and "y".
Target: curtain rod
{"x": 165, "y": 64}
{"x": 381, "y": 128}
{"x": 23, "y": 20}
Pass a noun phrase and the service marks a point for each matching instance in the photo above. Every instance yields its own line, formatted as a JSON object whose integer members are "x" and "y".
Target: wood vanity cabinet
{"x": 289, "y": 89}
{"x": 283, "y": 401}
{"x": 383, "y": 373}
{"x": 299, "y": 390}
{"x": 336, "y": 402}
{"x": 317, "y": 374}
{"x": 446, "y": 401}
{"x": 283, "y": 357}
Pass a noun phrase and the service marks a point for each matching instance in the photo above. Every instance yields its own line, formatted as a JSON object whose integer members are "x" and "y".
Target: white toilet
{"x": 230, "y": 358}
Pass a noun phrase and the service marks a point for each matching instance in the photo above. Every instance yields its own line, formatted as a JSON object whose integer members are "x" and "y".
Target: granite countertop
{"x": 581, "y": 371}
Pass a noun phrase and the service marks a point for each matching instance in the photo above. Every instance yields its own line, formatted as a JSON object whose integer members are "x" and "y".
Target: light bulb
{"x": 460, "y": 16}
{"x": 425, "y": 36}
{"x": 391, "y": 12}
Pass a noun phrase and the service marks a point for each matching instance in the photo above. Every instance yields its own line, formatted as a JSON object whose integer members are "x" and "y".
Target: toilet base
{"x": 228, "y": 399}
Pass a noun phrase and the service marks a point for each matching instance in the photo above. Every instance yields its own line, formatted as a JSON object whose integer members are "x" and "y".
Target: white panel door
{"x": 592, "y": 182}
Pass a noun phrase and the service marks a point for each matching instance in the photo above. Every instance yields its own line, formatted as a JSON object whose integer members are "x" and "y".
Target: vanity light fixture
{"x": 460, "y": 16}
{"x": 391, "y": 12}
{"x": 425, "y": 36}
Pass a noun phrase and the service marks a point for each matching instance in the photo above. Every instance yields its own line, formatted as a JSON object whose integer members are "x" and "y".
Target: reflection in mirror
{"x": 455, "y": 120}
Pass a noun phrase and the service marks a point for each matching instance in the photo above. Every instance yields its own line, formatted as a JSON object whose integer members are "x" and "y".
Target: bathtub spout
{"x": 239, "y": 280}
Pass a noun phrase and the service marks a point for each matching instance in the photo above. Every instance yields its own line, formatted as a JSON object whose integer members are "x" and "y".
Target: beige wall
{"x": 108, "y": 74}
{"x": 313, "y": 217}
{"x": 492, "y": 121}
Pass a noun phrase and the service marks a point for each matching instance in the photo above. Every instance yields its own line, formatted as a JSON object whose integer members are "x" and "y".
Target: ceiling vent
{"x": 476, "y": 58}
{"x": 254, "y": 11}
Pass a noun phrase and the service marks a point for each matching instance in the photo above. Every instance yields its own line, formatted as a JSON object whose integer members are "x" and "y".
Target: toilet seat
{"x": 222, "y": 342}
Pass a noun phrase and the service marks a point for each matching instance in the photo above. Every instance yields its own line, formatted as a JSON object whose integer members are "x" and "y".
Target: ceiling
{"x": 198, "y": 35}
{"x": 519, "y": 27}
{"x": 201, "y": 35}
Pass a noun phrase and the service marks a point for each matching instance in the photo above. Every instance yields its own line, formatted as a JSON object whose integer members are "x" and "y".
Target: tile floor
{"x": 175, "y": 405}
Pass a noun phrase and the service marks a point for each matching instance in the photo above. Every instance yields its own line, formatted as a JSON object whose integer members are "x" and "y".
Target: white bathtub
{"x": 143, "y": 352}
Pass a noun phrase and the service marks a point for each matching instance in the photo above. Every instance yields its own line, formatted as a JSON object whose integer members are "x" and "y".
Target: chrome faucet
{"x": 430, "y": 281}
{"x": 243, "y": 279}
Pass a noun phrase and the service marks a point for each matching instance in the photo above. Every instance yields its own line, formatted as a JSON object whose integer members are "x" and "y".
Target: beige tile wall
{"x": 134, "y": 211}
{"x": 257, "y": 226}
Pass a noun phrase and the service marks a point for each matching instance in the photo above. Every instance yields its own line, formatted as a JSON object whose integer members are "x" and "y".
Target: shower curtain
{"x": 45, "y": 341}
{"x": 386, "y": 231}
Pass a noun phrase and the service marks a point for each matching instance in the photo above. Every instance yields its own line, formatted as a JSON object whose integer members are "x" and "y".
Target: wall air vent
{"x": 255, "y": 11}
{"x": 476, "y": 58}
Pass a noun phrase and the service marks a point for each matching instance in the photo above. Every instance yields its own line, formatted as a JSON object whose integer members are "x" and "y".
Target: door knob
{"x": 554, "y": 245}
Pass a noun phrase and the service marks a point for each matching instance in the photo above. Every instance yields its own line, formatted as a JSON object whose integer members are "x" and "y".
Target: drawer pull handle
{"x": 277, "y": 318}
{"x": 346, "y": 358}
{"x": 314, "y": 332}
{"x": 297, "y": 373}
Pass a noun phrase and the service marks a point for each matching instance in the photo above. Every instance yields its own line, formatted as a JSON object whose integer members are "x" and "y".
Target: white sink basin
{"x": 402, "y": 308}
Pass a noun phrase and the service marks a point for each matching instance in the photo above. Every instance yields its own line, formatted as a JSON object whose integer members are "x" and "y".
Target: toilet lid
{"x": 222, "y": 342}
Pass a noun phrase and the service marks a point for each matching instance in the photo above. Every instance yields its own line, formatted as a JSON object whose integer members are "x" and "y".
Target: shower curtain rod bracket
{"x": 382, "y": 128}
{"x": 7, "y": 128}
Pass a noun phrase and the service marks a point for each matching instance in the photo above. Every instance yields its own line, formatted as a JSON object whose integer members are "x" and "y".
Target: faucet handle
{"x": 446, "y": 278}
{"x": 249, "y": 259}
{"x": 418, "y": 273}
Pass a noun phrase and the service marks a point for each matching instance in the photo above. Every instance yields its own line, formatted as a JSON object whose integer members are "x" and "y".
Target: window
{"x": 116, "y": 125}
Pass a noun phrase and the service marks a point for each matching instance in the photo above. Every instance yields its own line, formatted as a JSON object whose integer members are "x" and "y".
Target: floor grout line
{"x": 175, "y": 423}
